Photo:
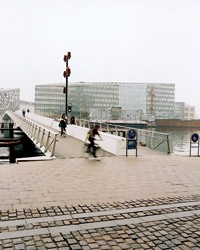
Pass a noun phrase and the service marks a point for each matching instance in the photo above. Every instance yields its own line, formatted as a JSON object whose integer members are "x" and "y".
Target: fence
{"x": 154, "y": 140}
{"x": 44, "y": 138}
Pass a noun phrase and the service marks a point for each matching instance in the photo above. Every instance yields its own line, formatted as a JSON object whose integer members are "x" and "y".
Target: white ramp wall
{"x": 111, "y": 143}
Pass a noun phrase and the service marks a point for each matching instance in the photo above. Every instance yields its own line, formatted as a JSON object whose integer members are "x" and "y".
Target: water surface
{"x": 180, "y": 139}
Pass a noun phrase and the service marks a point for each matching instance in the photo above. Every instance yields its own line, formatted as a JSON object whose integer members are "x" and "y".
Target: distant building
{"x": 183, "y": 111}
{"x": 108, "y": 100}
{"x": 127, "y": 101}
{"x": 189, "y": 112}
{"x": 49, "y": 99}
{"x": 9, "y": 99}
{"x": 179, "y": 109}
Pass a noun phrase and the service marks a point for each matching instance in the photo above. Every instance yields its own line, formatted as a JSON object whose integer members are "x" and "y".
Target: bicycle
{"x": 88, "y": 151}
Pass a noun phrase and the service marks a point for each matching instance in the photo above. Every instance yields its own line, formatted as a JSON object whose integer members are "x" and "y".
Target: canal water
{"x": 180, "y": 139}
{"x": 26, "y": 149}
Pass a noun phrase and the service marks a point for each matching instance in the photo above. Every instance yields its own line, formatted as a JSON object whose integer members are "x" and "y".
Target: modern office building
{"x": 108, "y": 100}
{"x": 49, "y": 99}
{"x": 127, "y": 101}
{"x": 9, "y": 99}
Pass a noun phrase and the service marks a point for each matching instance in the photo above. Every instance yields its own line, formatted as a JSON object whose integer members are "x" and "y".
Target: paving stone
{"x": 75, "y": 247}
{"x": 19, "y": 247}
{"x": 50, "y": 245}
{"x": 176, "y": 233}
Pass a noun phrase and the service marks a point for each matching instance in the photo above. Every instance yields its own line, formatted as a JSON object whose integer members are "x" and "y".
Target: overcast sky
{"x": 155, "y": 41}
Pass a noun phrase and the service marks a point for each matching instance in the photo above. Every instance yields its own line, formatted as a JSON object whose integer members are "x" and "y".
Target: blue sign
{"x": 131, "y": 140}
{"x": 195, "y": 137}
{"x": 131, "y": 134}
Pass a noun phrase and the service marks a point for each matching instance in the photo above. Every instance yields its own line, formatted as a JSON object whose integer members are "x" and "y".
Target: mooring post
{"x": 12, "y": 155}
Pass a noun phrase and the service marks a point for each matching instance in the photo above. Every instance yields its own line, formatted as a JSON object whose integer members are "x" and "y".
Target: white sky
{"x": 110, "y": 40}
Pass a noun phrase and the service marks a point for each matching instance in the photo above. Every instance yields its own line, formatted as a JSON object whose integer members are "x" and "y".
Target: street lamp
{"x": 66, "y": 74}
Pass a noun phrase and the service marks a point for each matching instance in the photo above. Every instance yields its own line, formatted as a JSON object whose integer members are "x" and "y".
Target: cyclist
{"x": 91, "y": 138}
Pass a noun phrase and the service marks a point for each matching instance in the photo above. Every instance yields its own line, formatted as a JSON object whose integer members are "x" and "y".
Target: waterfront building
{"x": 183, "y": 111}
{"x": 9, "y": 99}
{"x": 108, "y": 100}
{"x": 189, "y": 112}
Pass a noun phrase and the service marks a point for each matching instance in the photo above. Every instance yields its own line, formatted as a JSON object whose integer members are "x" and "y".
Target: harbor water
{"x": 26, "y": 149}
{"x": 179, "y": 138}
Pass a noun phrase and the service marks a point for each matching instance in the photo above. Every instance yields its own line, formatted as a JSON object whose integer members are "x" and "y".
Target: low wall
{"x": 110, "y": 143}
{"x": 178, "y": 123}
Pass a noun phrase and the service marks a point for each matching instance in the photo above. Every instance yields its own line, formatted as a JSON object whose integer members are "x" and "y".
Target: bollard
{"x": 12, "y": 155}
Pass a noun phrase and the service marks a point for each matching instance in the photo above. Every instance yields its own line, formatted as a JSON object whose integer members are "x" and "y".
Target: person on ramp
{"x": 63, "y": 125}
{"x": 91, "y": 138}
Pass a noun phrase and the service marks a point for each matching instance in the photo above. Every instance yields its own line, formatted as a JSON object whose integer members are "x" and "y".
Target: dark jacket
{"x": 62, "y": 124}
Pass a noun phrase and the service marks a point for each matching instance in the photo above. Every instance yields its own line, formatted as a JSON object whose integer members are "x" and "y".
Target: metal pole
{"x": 168, "y": 145}
{"x": 66, "y": 92}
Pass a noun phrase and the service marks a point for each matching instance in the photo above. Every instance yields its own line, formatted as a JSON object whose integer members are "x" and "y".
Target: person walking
{"x": 23, "y": 112}
{"x": 72, "y": 120}
{"x": 62, "y": 125}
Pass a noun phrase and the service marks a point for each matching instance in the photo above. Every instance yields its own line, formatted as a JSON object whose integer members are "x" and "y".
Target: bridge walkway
{"x": 66, "y": 147}
{"x": 70, "y": 147}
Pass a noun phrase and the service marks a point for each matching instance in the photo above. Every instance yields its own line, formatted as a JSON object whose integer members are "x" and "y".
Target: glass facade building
{"x": 108, "y": 100}
{"x": 49, "y": 100}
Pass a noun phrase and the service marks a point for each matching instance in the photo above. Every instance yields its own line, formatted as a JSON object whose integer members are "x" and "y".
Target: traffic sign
{"x": 195, "y": 137}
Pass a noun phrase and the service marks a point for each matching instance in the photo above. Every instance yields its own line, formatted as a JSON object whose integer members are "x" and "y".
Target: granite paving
{"x": 147, "y": 202}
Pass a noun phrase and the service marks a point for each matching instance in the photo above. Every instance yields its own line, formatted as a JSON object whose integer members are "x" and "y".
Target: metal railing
{"x": 152, "y": 139}
{"x": 44, "y": 138}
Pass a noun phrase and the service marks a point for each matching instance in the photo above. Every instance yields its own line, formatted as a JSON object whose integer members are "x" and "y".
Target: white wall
{"x": 111, "y": 143}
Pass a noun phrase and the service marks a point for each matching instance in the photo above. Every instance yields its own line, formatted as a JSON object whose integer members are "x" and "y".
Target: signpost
{"x": 131, "y": 140}
{"x": 66, "y": 74}
{"x": 194, "y": 142}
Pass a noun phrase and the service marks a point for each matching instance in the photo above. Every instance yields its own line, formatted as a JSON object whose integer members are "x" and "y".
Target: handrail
{"x": 44, "y": 138}
{"x": 152, "y": 139}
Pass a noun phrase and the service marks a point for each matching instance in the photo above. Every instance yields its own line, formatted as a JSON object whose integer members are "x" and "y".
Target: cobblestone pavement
{"x": 168, "y": 223}
{"x": 148, "y": 202}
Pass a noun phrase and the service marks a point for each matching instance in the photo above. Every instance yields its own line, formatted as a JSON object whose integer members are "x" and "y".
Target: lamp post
{"x": 66, "y": 74}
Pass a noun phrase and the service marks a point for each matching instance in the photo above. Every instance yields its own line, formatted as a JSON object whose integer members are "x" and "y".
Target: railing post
{"x": 42, "y": 138}
{"x": 47, "y": 142}
{"x": 54, "y": 146}
{"x": 151, "y": 139}
{"x": 32, "y": 129}
{"x": 168, "y": 145}
{"x": 35, "y": 131}
{"x": 29, "y": 128}
{"x": 38, "y": 134}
